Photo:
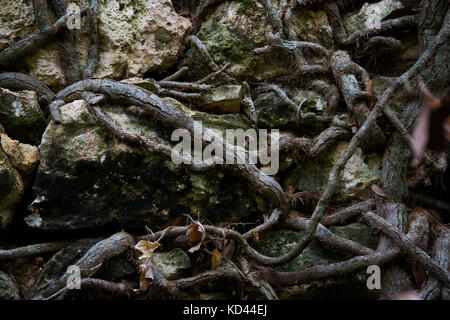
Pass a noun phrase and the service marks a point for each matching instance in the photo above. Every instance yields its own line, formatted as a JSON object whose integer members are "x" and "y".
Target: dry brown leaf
{"x": 146, "y": 272}
{"x": 145, "y": 278}
{"x": 195, "y": 231}
{"x": 146, "y": 248}
{"x": 255, "y": 236}
{"x": 216, "y": 259}
{"x": 196, "y": 247}
{"x": 370, "y": 87}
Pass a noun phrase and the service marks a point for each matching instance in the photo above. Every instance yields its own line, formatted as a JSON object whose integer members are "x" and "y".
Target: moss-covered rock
{"x": 278, "y": 242}
{"x": 360, "y": 172}
{"x": 236, "y": 28}
{"x": 99, "y": 181}
{"x": 312, "y": 26}
{"x": 173, "y": 264}
{"x": 273, "y": 113}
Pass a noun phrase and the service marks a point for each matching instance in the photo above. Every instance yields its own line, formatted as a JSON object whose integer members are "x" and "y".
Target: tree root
{"x": 20, "y": 81}
{"x": 35, "y": 41}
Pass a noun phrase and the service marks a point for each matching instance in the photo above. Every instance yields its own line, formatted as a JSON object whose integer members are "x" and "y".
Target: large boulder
{"x": 21, "y": 115}
{"x": 99, "y": 181}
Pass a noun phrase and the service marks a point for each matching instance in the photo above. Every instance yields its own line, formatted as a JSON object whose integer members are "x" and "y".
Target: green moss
{"x": 244, "y": 5}
{"x": 303, "y": 16}
{"x": 221, "y": 43}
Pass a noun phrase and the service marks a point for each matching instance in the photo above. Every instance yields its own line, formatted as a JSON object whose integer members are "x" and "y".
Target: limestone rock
{"x": 135, "y": 37}
{"x": 100, "y": 181}
{"x": 312, "y": 26}
{"x": 23, "y": 157}
{"x": 16, "y": 21}
{"x": 370, "y": 15}
{"x": 224, "y": 99}
{"x": 45, "y": 65}
{"x": 172, "y": 264}
{"x": 146, "y": 34}
{"x": 11, "y": 190}
{"x": 21, "y": 115}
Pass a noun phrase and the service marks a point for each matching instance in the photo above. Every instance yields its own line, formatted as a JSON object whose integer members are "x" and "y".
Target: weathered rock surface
{"x": 273, "y": 113}
{"x": 11, "y": 190}
{"x": 8, "y": 288}
{"x": 23, "y": 157}
{"x": 99, "y": 181}
{"x": 16, "y": 21}
{"x": 172, "y": 264}
{"x": 370, "y": 15}
{"x": 135, "y": 37}
{"x": 236, "y": 28}
{"x": 360, "y": 172}
{"x": 223, "y": 99}
{"x": 21, "y": 115}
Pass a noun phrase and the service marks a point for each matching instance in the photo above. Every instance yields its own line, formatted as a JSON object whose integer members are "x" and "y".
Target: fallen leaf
{"x": 145, "y": 278}
{"x": 146, "y": 272}
{"x": 419, "y": 274}
{"x": 290, "y": 189}
{"x": 146, "y": 248}
{"x": 216, "y": 259}
{"x": 196, "y": 232}
{"x": 196, "y": 247}
{"x": 255, "y": 236}
{"x": 370, "y": 87}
